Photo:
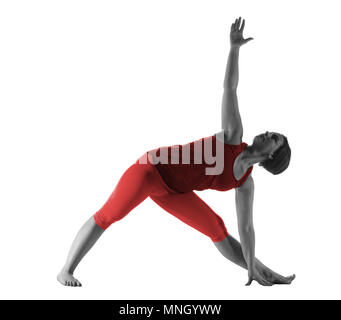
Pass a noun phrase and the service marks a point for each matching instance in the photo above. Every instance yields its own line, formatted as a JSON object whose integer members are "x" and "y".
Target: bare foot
{"x": 276, "y": 278}
{"x": 67, "y": 279}
{"x": 284, "y": 280}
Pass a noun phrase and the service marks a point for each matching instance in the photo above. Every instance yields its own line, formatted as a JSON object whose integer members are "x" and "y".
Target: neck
{"x": 250, "y": 156}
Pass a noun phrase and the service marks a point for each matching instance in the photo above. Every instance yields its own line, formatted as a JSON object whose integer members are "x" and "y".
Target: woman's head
{"x": 275, "y": 149}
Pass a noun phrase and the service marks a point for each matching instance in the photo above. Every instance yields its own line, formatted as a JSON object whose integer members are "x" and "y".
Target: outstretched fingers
{"x": 237, "y": 25}
{"x": 243, "y": 25}
{"x": 236, "y": 34}
{"x": 247, "y": 40}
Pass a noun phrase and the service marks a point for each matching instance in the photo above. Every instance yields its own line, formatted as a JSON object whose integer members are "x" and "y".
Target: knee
{"x": 220, "y": 232}
{"x": 98, "y": 217}
{"x": 105, "y": 220}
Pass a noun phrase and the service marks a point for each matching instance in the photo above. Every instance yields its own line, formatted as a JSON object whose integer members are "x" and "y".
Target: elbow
{"x": 230, "y": 86}
{"x": 247, "y": 229}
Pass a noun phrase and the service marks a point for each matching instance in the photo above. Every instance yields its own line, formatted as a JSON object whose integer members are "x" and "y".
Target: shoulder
{"x": 248, "y": 185}
{"x": 233, "y": 137}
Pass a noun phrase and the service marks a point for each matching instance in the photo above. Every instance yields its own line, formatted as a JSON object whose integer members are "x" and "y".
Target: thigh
{"x": 134, "y": 186}
{"x": 192, "y": 210}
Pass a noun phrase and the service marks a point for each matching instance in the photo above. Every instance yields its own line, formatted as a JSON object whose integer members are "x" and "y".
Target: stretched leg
{"x": 85, "y": 239}
{"x": 231, "y": 249}
{"x": 192, "y": 210}
{"x": 134, "y": 186}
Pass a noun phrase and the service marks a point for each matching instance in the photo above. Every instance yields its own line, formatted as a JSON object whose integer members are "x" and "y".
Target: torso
{"x": 238, "y": 171}
{"x": 187, "y": 176}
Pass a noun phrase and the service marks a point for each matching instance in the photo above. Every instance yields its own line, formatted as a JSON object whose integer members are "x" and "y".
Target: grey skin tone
{"x": 263, "y": 146}
{"x": 85, "y": 239}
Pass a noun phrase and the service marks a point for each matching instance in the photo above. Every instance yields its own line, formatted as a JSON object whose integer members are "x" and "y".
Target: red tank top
{"x": 184, "y": 167}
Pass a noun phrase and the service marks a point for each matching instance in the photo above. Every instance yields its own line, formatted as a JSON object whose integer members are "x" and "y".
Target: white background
{"x": 88, "y": 86}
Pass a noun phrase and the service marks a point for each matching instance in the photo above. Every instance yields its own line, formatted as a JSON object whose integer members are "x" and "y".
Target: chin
{"x": 257, "y": 142}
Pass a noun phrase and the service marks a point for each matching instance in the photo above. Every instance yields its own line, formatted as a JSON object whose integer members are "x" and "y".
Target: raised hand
{"x": 236, "y": 34}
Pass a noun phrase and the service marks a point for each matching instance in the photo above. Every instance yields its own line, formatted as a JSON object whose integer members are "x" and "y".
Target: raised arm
{"x": 231, "y": 120}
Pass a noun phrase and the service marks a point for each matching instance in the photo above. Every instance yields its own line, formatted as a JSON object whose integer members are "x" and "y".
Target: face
{"x": 268, "y": 142}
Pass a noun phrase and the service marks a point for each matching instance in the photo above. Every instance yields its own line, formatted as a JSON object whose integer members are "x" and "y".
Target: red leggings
{"x": 140, "y": 181}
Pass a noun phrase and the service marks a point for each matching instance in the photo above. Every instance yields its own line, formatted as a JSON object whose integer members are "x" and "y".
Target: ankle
{"x": 67, "y": 270}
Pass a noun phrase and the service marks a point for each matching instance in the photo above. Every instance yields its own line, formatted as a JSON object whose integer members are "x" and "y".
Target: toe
{"x": 70, "y": 282}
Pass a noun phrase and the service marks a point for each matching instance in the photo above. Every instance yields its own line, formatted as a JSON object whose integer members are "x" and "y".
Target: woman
{"x": 169, "y": 175}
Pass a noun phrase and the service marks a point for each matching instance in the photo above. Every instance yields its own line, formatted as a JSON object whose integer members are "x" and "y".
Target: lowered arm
{"x": 244, "y": 207}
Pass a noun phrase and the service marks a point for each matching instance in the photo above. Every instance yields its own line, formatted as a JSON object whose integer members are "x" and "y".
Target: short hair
{"x": 280, "y": 160}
